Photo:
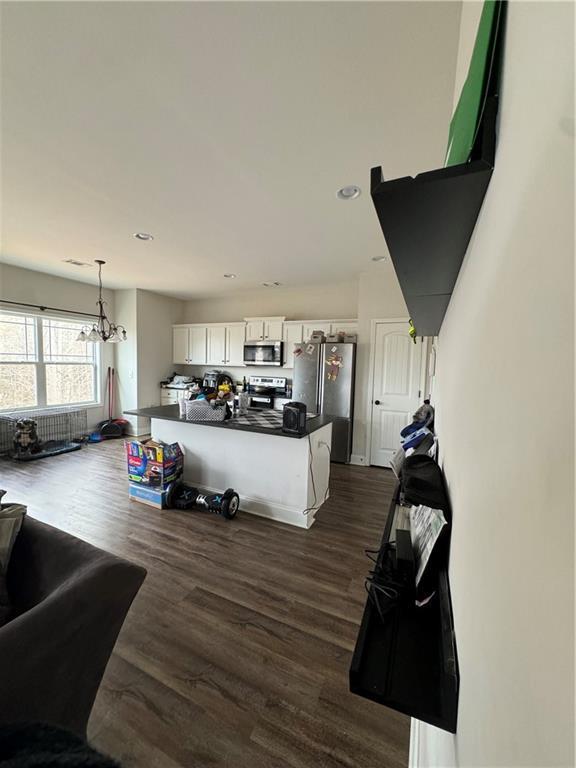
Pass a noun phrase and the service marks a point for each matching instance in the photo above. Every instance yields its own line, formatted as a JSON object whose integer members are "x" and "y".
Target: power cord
{"x": 314, "y": 506}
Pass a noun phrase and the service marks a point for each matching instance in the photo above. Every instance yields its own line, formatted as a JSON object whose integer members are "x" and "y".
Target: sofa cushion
{"x": 37, "y": 745}
{"x": 11, "y": 517}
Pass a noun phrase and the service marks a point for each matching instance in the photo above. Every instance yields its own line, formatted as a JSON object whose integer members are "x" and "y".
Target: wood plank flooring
{"x": 236, "y": 651}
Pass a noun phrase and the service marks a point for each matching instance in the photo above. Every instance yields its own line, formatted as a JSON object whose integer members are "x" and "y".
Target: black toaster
{"x": 294, "y": 419}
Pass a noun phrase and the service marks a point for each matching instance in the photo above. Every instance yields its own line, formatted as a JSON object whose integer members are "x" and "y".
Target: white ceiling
{"x": 224, "y": 129}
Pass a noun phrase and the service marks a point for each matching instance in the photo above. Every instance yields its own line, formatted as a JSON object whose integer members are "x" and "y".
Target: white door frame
{"x": 370, "y": 399}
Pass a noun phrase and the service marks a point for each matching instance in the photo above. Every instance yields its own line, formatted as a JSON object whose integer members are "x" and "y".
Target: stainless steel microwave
{"x": 263, "y": 353}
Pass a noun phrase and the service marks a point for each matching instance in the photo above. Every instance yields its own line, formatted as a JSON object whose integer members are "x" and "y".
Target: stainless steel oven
{"x": 263, "y": 353}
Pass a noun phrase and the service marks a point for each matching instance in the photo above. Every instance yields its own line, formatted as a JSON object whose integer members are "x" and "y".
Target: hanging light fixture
{"x": 103, "y": 329}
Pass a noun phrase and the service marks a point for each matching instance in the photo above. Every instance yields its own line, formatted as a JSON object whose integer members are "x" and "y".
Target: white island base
{"x": 276, "y": 477}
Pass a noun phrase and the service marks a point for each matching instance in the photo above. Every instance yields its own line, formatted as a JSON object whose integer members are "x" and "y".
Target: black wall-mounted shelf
{"x": 408, "y": 661}
{"x": 428, "y": 220}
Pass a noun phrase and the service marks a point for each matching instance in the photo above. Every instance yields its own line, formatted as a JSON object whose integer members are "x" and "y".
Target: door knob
{"x": 376, "y": 402}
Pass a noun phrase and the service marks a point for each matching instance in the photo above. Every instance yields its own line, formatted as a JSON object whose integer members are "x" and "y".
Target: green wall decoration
{"x": 468, "y": 113}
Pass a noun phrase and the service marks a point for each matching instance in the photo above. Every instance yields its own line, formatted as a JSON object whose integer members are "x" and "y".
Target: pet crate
{"x": 55, "y": 425}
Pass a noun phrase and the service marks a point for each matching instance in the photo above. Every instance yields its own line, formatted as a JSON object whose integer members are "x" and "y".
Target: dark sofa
{"x": 70, "y": 601}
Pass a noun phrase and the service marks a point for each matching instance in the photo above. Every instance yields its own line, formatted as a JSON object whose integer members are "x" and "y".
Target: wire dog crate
{"x": 59, "y": 424}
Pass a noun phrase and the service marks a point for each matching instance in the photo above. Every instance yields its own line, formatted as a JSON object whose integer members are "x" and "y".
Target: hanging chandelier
{"x": 103, "y": 329}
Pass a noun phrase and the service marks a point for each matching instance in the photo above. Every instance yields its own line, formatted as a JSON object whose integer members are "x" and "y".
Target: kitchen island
{"x": 281, "y": 476}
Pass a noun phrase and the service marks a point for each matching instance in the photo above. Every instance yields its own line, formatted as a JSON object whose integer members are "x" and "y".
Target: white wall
{"x": 505, "y": 416}
{"x": 30, "y": 287}
{"x": 156, "y": 315}
{"x": 307, "y": 302}
{"x": 379, "y": 297}
{"x": 146, "y": 358}
{"x": 126, "y": 359}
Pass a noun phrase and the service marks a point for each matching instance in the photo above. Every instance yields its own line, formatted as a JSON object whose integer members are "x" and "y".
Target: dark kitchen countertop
{"x": 172, "y": 413}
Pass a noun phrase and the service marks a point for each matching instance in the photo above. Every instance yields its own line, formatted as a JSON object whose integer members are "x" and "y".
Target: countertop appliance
{"x": 211, "y": 379}
{"x": 324, "y": 381}
{"x": 263, "y": 353}
{"x": 294, "y": 418}
{"x": 263, "y": 390}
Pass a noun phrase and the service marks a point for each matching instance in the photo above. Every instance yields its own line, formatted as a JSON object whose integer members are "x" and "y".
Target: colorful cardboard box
{"x": 154, "y": 497}
{"x": 153, "y": 464}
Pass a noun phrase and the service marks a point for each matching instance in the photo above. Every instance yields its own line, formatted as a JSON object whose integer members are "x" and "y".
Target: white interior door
{"x": 396, "y": 391}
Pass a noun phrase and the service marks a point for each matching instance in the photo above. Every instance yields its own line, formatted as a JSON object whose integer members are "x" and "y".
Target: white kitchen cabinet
{"x": 344, "y": 326}
{"x": 254, "y": 330}
{"x": 292, "y": 334}
{"x": 216, "y": 343}
{"x": 170, "y": 396}
{"x": 273, "y": 330}
{"x": 226, "y": 344}
{"x": 221, "y": 344}
{"x": 264, "y": 328}
{"x": 197, "y": 345}
{"x": 310, "y": 327}
{"x": 235, "y": 335}
{"x": 189, "y": 344}
{"x": 180, "y": 344}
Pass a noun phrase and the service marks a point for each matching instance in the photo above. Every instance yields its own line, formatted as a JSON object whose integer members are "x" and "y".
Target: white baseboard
{"x": 414, "y": 752}
{"x": 358, "y": 460}
{"x": 278, "y": 512}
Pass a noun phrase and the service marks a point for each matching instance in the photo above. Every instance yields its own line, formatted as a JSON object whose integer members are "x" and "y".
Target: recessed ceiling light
{"x": 230, "y": 275}
{"x": 143, "y": 236}
{"x": 378, "y": 258}
{"x": 275, "y": 284}
{"x": 349, "y": 193}
{"x": 76, "y": 263}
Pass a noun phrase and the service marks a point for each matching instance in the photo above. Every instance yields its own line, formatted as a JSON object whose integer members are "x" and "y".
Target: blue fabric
{"x": 414, "y": 427}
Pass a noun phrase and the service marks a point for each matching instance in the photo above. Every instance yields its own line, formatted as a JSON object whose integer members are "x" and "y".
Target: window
{"x": 42, "y": 364}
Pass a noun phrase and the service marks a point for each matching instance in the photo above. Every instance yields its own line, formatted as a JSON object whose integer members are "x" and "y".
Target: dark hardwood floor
{"x": 236, "y": 651}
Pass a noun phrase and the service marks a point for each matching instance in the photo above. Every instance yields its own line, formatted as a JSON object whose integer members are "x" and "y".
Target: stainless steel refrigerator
{"x": 324, "y": 380}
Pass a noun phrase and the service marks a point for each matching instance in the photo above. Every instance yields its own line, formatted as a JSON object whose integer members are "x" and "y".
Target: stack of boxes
{"x": 152, "y": 466}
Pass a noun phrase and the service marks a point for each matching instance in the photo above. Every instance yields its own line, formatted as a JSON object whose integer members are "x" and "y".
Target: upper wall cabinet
{"x": 189, "y": 344}
{"x": 221, "y": 344}
{"x": 180, "y": 344}
{"x": 320, "y": 325}
{"x": 292, "y": 335}
{"x": 216, "y": 345}
{"x": 197, "y": 345}
{"x": 226, "y": 344}
{"x": 235, "y": 337}
{"x": 344, "y": 326}
{"x": 264, "y": 328}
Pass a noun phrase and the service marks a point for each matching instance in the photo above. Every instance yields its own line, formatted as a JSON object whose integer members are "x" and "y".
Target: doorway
{"x": 396, "y": 387}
